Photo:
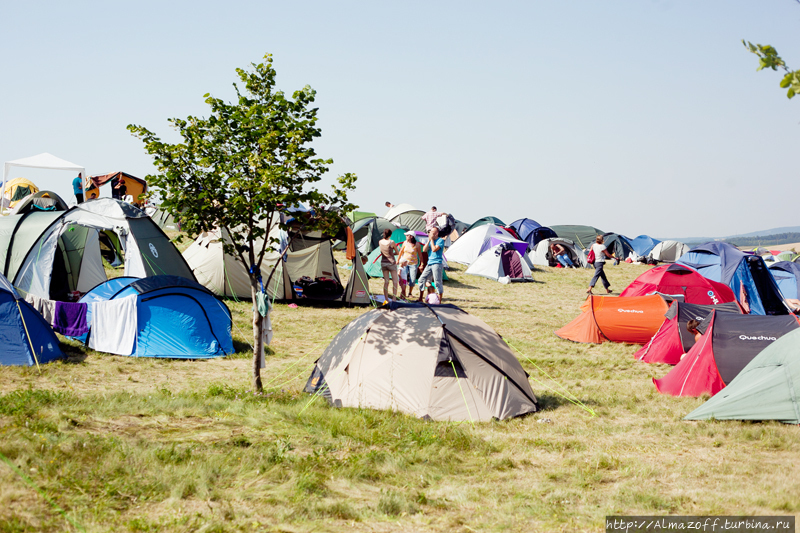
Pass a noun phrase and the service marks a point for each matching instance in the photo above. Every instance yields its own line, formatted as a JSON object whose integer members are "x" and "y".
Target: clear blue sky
{"x": 635, "y": 117}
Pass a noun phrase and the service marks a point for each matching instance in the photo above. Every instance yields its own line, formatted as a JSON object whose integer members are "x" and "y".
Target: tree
{"x": 769, "y": 58}
{"x": 245, "y": 164}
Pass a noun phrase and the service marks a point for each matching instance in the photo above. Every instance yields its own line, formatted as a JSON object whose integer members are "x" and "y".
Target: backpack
{"x": 590, "y": 257}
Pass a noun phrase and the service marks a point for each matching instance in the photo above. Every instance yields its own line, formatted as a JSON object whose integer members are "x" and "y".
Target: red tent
{"x": 728, "y": 344}
{"x": 673, "y": 339}
{"x": 678, "y": 280}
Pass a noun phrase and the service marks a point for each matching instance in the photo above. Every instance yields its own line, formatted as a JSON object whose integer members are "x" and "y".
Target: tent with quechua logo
{"x": 728, "y": 343}
{"x": 680, "y": 280}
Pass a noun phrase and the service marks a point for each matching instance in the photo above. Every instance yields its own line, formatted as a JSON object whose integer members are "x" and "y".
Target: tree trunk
{"x": 258, "y": 337}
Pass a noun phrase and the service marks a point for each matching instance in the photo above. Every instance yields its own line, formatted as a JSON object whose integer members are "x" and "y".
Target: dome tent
{"x": 672, "y": 339}
{"x": 765, "y": 389}
{"x": 787, "y": 276}
{"x": 65, "y": 255}
{"x": 728, "y": 344}
{"x": 473, "y": 243}
{"x": 618, "y": 246}
{"x": 310, "y": 254}
{"x": 643, "y": 245}
{"x": 531, "y": 231}
{"x": 485, "y": 220}
{"x": 172, "y": 317}
{"x": 17, "y": 189}
{"x": 543, "y": 256}
{"x": 668, "y": 251}
{"x": 406, "y": 215}
{"x": 27, "y": 339}
{"x": 40, "y": 201}
{"x": 676, "y": 280}
{"x": 583, "y": 236}
{"x": 501, "y": 261}
{"x": 418, "y": 359}
{"x": 747, "y": 275}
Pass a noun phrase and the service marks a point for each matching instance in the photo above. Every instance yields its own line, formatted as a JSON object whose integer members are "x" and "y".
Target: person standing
{"x": 388, "y": 264}
{"x": 435, "y": 249}
{"x": 77, "y": 188}
{"x": 410, "y": 258}
{"x": 430, "y": 219}
{"x": 600, "y": 256}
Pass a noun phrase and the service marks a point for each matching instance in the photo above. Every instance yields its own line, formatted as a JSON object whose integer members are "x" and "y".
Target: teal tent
{"x": 768, "y": 388}
{"x": 486, "y": 220}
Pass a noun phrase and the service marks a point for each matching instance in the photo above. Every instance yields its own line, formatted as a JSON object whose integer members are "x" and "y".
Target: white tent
{"x": 469, "y": 246}
{"x": 501, "y": 261}
{"x": 45, "y": 160}
{"x": 668, "y": 251}
{"x": 541, "y": 254}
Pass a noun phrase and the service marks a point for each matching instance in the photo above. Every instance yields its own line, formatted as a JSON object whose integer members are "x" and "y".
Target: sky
{"x": 638, "y": 117}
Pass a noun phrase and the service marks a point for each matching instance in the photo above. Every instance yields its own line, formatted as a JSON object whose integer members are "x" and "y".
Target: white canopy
{"x": 44, "y": 160}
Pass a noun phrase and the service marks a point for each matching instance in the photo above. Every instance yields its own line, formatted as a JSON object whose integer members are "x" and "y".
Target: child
{"x": 433, "y": 297}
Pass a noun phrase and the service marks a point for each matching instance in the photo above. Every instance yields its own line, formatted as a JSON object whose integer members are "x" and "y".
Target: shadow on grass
{"x": 73, "y": 354}
{"x": 551, "y": 402}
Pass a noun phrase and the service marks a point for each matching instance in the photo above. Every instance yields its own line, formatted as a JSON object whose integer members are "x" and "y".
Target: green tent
{"x": 486, "y": 220}
{"x": 583, "y": 236}
{"x": 768, "y": 388}
{"x": 355, "y": 216}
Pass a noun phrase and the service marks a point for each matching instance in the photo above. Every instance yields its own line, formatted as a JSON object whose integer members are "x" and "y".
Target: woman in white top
{"x": 600, "y": 255}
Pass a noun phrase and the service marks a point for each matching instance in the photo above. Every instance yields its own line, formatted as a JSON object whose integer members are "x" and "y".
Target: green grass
{"x": 123, "y": 444}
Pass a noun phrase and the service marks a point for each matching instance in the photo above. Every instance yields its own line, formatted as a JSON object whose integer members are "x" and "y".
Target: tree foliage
{"x": 241, "y": 167}
{"x": 768, "y": 58}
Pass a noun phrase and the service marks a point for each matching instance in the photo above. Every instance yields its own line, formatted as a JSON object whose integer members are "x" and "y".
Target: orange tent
{"x": 633, "y": 319}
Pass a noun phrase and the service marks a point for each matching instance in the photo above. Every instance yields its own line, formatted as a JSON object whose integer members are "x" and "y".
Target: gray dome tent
{"x": 431, "y": 362}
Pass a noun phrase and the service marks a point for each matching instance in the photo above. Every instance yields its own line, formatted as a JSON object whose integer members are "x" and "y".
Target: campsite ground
{"x": 123, "y": 444}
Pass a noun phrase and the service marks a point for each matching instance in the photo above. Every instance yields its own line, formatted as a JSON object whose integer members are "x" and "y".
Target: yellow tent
{"x": 17, "y": 189}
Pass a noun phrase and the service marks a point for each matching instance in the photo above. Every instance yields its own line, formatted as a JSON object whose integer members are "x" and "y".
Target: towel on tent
{"x": 45, "y": 307}
{"x": 69, "y": 319}
{"x": 114, "y": 326}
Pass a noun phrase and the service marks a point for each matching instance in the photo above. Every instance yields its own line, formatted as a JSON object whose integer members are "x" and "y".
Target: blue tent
{"x": 747, "y": 275}
{"x": 26, "y": 338}
{"x": 175, "y": 317}
{"x": 532, "y": 232}
{"x": 643, "y": 245}
{"x": 787, "y": 276}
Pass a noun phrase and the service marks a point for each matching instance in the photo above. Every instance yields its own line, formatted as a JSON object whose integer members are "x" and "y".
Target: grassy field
{"x": 106, "y": 443}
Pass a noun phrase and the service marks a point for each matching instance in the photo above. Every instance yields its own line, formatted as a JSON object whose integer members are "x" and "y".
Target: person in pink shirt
{"x": 430, "y": 218}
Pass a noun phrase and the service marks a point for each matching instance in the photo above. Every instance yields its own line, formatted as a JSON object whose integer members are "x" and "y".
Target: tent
{"x": 501, "y": 261}
{"x": 367, "y": 232}
{"x": 40, "y": 201}
{"x": 786, "y": 255}
{"x": 163, "y": 220}
{"x": 459, "y": 229}
{"x": 310, "y": 255}
{"x": 355, "y": 216}
{"x": 531, "y": 231}
{"x": 134, "y": 187}
{"x": 407, "y": 216}
{"x": 747, "y": 275}
{"x": 583, "y": 236}
{"x": 27, "y": 338}
{"x": 44, "y": 160}
{"x": 618, "y": 246}
{"x": 486, "y": 220}
{"x": 729, "y": 342}
{"x": 18, "y": 189}
{"x": 643, "y": 245}
{"x": 160, "y": 316}
{"x": 668, "y": 251}
{"x": 473, "y": 243}
{"x": 765, "y": 389}
{"x": 541, "y": 254}
{"x": 787, "y": 276}
{"x": 52, "y": 253}
{"x": 672, "y": 339}
{"x": 435, "y": 362}
{"x": 680, "y": 280}
{"x": 614, "y": 318}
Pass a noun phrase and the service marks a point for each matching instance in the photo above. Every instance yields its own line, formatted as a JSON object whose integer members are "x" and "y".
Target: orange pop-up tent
{"x": 633, "y": 319}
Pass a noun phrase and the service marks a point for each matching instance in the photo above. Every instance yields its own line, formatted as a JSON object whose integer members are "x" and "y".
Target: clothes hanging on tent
{"x": 117, "y": 320}
{"x": 69, "y": 319}
{"x": 45, "y": 307}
